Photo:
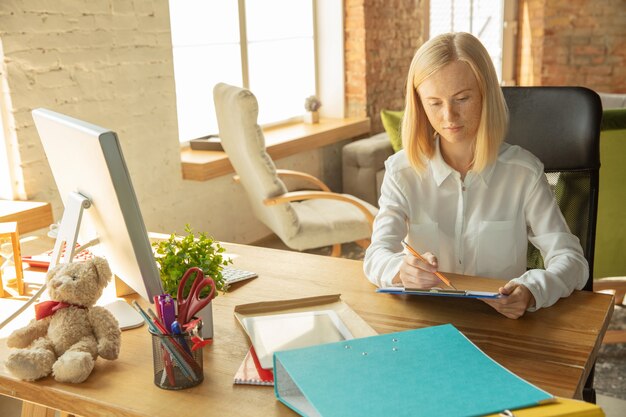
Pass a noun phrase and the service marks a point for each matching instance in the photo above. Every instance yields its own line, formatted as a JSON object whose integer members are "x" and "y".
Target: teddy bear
{"x": 69, "y": 332}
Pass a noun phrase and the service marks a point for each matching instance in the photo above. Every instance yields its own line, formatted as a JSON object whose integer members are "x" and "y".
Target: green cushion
{"x": 391, "y": 122}
{"x": 611, "y": 227}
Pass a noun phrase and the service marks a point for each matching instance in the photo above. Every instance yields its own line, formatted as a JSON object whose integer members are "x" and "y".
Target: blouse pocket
{"x": 424, "y": 237}
{"x": 497, "y": 249}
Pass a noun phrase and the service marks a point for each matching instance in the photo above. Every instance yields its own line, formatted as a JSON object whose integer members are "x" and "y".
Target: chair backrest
{"x": 561, "y": 126}
{"x": 237, "y": 110}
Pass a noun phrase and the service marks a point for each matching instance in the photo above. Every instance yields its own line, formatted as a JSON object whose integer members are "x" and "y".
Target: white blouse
{"x": 479, "y": 226}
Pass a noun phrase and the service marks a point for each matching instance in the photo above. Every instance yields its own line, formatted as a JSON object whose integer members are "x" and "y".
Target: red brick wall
{"x": 356, "y": 83}
{"x": 573, "y": 42}
{"x": 560, "y": 42}
{"x": 381, "y": 37}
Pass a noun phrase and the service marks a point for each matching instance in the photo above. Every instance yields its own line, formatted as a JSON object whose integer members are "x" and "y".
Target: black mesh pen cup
{"x": 176, "y": 364}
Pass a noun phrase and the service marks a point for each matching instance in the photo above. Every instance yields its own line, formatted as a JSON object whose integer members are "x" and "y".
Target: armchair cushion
{"x": 326, "y": 222}
{"x": 364, "y": 166}
{"x": 391, "y": 122}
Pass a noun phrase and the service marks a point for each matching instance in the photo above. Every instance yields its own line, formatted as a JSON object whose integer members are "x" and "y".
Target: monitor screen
{"x": 88, "y": 160}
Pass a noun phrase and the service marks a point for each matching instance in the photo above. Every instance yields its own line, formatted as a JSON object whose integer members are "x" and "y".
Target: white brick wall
{"x": 110, "y": 63}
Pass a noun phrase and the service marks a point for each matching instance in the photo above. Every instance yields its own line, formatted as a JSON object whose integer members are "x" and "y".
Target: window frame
{"x": 328, "y": 40}
{"x": 509, "y": 39}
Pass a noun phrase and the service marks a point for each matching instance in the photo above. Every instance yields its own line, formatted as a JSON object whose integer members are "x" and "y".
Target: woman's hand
{"x": 518, "y": 299}
{"x": 415, "y": 273}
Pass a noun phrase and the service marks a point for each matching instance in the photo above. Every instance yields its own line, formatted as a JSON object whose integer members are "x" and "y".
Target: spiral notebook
{"x": 251, "y": 373}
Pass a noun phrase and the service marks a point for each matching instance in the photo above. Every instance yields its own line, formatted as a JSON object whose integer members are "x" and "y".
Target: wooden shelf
{"x": 280, "y": 141}
{"x": 29, "y": 215}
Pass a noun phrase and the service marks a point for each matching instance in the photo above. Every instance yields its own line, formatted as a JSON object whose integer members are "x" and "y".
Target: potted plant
{"x": 177, "y": 254}
{"x": 312, "y": 105}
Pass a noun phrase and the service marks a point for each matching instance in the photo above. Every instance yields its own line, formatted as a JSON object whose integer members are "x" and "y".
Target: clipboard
{"x": 438, "y": 292}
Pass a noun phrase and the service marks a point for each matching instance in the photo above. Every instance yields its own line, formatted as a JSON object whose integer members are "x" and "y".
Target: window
{"x": 488, "y": 20}
{"x": 245, "y": 43}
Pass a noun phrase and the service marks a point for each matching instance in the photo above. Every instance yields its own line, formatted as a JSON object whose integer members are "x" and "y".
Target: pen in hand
{"x": 437, "y": 273}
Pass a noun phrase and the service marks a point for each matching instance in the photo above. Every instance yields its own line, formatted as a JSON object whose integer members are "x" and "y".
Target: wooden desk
{"x": 553, "y": 348}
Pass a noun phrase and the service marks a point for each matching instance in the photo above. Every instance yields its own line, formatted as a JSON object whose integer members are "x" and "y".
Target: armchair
{"x": 301, "y": 219}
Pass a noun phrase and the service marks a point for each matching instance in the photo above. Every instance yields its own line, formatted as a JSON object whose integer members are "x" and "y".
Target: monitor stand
{"x": 67, "y": 237}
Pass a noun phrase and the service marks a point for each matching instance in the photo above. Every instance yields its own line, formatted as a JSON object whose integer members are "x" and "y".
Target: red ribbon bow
{"x": 48, "y": 308}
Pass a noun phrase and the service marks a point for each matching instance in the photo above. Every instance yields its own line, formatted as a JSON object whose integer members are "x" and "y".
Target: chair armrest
{"x": 309, "y": 195}
{"x": 613, "y": 119}
{"x": 288, "y": 173}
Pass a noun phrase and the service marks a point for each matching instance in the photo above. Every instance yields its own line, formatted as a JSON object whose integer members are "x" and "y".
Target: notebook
{"x": 251, "y": 373}
{"x": 434, "y": 371}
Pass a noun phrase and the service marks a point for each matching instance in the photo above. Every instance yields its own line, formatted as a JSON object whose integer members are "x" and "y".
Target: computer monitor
{"x": 88, "y": 160}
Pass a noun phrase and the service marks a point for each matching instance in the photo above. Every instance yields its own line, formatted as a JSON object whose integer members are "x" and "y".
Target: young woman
{"x": 464, "y": 199}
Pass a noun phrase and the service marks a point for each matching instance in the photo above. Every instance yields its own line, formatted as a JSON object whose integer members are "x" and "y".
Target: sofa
{"x": 364, "y": 168}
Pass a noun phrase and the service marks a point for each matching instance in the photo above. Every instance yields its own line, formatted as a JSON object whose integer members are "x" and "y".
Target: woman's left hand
{"x": 518, "y": 299}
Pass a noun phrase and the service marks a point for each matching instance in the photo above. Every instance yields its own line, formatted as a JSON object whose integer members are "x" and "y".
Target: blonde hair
{"x": 418, "y": 133}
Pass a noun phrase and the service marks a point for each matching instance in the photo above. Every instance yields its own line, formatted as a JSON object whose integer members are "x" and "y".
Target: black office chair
{"x": 561, "y": 126}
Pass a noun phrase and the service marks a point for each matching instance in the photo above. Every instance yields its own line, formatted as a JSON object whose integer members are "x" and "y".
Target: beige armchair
{"x": 301, "y": 219}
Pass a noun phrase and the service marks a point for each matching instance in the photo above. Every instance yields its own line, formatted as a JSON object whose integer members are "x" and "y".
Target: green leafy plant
{"x": 177, "y": 254}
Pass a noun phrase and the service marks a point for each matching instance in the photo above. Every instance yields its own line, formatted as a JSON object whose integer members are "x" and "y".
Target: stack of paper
{"x": 432, "y": 372}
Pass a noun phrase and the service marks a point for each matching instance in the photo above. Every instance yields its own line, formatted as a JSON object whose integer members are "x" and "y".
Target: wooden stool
{"x": 9, "y": 229}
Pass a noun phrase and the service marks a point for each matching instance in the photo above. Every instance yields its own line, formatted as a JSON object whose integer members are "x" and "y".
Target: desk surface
{"x": 553, "y": 348}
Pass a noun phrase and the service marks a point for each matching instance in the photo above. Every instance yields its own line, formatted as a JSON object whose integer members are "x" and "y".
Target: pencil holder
{"x": 176, "y": 365}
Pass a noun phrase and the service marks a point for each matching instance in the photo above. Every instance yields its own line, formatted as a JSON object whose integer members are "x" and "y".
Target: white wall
{"x": 110, "y": 63}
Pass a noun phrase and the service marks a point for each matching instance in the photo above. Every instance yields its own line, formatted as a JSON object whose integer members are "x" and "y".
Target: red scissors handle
{"x": 189, "y": 306}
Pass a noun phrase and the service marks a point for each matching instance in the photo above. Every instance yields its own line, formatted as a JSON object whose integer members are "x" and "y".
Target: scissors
{"x": 189, "y": 306}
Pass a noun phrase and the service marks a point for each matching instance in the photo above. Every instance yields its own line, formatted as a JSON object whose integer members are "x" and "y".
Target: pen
{"x": 178, "y": 334}
{"x": 437, "y": 273}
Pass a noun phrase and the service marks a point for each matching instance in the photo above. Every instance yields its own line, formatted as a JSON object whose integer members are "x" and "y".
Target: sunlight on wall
{"x": 526, "y": 59}
{"x": 11, "y": 177}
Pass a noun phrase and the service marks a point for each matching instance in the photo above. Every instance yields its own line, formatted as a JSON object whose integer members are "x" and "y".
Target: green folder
{"x": 434, "y": 371}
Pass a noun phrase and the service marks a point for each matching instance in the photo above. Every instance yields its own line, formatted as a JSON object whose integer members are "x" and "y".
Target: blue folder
{"x": 434, "y": 371}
